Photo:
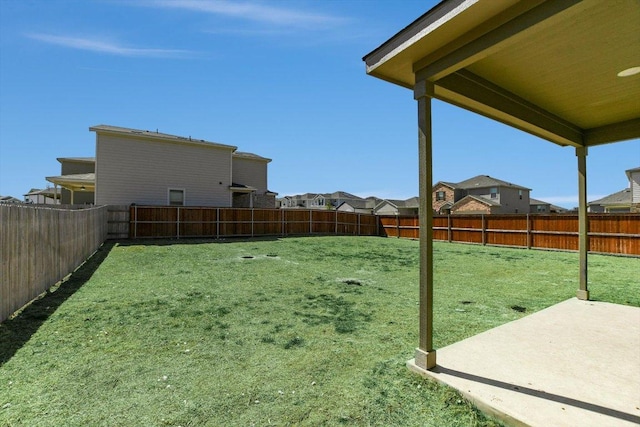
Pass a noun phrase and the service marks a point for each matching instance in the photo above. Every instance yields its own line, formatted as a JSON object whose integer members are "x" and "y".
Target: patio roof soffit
{"x": 549, "y": 68}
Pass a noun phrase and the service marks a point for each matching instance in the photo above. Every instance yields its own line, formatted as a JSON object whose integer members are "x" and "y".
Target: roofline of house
{"x": 145, "y": 134}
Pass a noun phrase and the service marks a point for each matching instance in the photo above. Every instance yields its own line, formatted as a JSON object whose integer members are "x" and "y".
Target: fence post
{"x": 178, "y": 222}
{"x": 135, "y": 221}
{"x": 397, "y": 226}
{"x": 217, "y": 223}
{"x": 252, "y": 221}
{"x": 358, "y": 231}
{"x": 484, "y": 235}
{"x": 310, "y": 222}
{"x": 283, "y": 230}
{"x": 528, "y": 232}
{"x": 449, "y": 227}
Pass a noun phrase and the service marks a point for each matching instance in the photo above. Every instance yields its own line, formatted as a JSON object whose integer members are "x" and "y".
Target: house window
{"x": 176, "y": 197}
{"x": 520, "y": 194}
{"x": 494, "y": 192}
{"x": 440, "y": 195}
{"x": 540, "y": 208}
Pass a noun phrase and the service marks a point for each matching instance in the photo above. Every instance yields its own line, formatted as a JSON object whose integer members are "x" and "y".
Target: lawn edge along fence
{"x": 608, "y": 233}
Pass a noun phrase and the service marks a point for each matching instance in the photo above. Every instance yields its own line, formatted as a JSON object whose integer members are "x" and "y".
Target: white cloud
{"x": 256, "y": 12}
{"x": 103, "y": 46}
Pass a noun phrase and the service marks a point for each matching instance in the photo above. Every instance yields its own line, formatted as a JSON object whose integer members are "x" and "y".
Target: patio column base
{"x": 423, "y": 361}
{"x": 583, "y": 294}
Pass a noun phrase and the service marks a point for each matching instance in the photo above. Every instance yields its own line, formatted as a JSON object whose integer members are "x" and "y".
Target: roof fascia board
{"x": 615, "y": 132}
{"x": 474, "y": 93}
{"x": 492, "y": 41}
{"x": 435, "y": 17}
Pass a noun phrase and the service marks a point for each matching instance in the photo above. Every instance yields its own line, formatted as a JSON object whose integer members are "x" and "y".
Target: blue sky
{"x": 282, "y": 79}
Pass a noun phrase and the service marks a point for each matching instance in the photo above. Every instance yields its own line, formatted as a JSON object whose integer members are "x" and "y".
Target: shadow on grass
{"x": 16, "y": 331}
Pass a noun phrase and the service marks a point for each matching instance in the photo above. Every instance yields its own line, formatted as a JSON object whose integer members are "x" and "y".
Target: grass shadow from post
{"x": 19, "y": 328}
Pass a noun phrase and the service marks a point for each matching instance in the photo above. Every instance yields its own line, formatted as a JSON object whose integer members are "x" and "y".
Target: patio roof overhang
{"x": 84, "y": 182}
{"x": 550, "y": 68}
{"x": 567, "y": 71}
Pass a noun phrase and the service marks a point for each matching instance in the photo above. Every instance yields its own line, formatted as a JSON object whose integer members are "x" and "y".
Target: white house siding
{"x": 250, "y": 172}
{"x": 634, "y": 181}
{"x": 137, "y": 170}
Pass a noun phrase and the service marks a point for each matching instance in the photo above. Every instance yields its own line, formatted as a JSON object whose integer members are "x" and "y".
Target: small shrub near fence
{"x": 39, "y": 246}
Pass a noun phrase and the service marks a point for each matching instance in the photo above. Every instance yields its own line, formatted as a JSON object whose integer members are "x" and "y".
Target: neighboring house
{"x": 48, "y": 196}
{"x": 318, "y": 200}
{"x": 480, "y": 194}
{"x": 366, "y": 206}
{"x": 249, "y": 185}
{"x": 76, "y": 180}
{"x": 623, "y": 201}
{"x": 619, "y": 202}
{"x": 539, "y": 206}
{"x": 398, "y": 207}
{"x": 9, "y": 199}
{"x": 152, "y": 168}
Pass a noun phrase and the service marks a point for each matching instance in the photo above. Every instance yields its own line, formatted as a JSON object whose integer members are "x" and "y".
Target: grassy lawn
{"x": 295, "y": 331}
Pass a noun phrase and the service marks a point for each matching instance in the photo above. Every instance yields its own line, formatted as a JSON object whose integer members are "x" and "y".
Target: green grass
{"x": 309, "y": 331}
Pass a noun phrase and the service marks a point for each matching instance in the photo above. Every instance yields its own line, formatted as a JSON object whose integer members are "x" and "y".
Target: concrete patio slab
{"x": 576, "y": 363}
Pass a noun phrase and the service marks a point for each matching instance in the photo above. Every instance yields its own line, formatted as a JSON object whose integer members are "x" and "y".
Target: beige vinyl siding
{"x": 250, "y": 172}
{"x": 635, "y": 187}
{"x": 74, "y": 167}
{"x": 136, "y": 170}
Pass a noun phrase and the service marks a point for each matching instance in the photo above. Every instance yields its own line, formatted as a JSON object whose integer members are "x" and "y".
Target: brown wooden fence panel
{"x": 610, "y": 233}
{"x": 554, "y": 232}
{"x": 409, "y": 227}
{"x": 297, "y": 222}
{"x": 198, "y": 222}
{"x": 618, "y": 234}
{"x": 369, "y": 225}
{"x": 440, "y": 228}
{"x": 390, "y": 226}
{"x": 267, "y": 222}
{"x": 466, "y": 229}
{"x": 507, "y": 230}
{"x": 323, "y": 222}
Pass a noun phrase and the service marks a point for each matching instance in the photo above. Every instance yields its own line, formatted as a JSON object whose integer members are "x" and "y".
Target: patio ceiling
{"x": 548, "y": 67}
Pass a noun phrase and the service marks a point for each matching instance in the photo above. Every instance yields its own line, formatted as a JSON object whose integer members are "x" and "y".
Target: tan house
{"x": 634, "y": 185}
{"x": 480, "y": 194}
{"x": 398, "y": 207}
{"x": 47, "y": 196}
{"x": 623, "y": 201}
{"x": 76, "y": 180}
{"x": 152, "y": 168}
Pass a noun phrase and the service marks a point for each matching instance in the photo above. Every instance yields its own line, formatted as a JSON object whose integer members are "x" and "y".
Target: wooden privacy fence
{"x": 39, "y": 246}
{"x": 608, "y": 233}
{"x": 179, "y": 221}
